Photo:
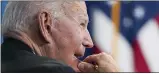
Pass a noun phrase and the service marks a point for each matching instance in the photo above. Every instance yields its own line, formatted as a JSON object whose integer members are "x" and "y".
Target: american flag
{"x": 129, "y": 30}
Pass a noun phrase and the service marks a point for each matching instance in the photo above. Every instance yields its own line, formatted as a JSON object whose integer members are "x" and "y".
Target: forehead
{"x": 78, "y": 5}
{"x": 76, "y": 9}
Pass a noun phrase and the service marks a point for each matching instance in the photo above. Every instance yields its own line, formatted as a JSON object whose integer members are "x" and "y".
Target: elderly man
{"x": 49, "y": 36}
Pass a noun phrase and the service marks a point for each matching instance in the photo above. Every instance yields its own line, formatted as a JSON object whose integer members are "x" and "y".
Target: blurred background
{"x": 128, "y": 30}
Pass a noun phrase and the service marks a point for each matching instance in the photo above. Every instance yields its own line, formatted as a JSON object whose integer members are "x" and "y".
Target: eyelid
{"x": 83, "y": 24}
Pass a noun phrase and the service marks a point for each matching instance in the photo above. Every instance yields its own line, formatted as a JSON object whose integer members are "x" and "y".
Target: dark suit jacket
{"x": 18, "y": 57}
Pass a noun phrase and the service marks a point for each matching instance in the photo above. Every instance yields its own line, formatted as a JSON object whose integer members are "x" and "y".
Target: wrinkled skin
{"x": 69, "y": 35}
{"x": 65, "y": 38}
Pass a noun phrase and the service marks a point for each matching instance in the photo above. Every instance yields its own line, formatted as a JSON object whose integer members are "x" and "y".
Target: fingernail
{"x": 81, "y": 65}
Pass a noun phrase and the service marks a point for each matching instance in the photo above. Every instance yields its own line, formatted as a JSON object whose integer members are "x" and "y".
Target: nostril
{"x": 88, "y": 44}
{"x": 76, "y": 55}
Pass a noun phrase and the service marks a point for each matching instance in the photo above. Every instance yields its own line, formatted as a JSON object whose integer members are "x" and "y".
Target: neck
{"x": 27, "y": 40}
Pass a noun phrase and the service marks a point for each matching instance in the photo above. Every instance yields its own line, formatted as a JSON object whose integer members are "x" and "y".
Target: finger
{"x": 91, "y": 58}
{"x": 96, "y": 58}
{"x": 85, "y": 67}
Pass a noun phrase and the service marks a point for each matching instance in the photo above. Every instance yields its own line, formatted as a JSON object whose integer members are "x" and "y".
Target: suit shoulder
{"x": 36, "y": 64}
{"x": 48, "y": 68}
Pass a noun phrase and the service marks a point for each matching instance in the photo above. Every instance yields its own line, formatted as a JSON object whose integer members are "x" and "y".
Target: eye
{"x": 82, "y": 24}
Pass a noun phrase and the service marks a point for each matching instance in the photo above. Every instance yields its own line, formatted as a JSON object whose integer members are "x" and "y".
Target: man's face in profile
{"x": 71, "y": 35}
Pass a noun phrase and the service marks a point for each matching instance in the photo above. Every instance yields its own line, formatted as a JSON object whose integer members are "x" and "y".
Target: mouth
{"x": 76, "y": 62}
{"x": 78, "y": 56}
{"x": 79, "y": 52}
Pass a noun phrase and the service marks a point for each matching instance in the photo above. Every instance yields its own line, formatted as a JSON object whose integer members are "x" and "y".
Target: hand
{"x": 104, "y": 62}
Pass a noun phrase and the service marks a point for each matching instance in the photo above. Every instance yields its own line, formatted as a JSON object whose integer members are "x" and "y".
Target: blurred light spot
{"x": 139, "y": 12}
{"x": 127, "y": 22}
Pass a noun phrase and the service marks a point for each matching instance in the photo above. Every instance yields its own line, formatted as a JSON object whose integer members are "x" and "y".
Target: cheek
{"x": 77, "y": 36}
{"x": 67, "y": 39}
{"x": 69, "y": 35}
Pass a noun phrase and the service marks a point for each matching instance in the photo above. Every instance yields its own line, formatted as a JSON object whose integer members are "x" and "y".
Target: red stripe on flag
{"x": 139, "y": 61}
{"x": 96, "y": 50}
{"x": 157, "y": 19}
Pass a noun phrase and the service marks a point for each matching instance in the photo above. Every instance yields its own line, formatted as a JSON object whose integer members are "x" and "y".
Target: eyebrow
{"x": 85, "y": 19}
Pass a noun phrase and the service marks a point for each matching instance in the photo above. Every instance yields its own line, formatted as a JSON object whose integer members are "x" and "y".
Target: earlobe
{"x": 45, "y": 22}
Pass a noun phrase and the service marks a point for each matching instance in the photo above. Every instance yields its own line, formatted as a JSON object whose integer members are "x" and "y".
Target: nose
{"x": 87, "y": 42}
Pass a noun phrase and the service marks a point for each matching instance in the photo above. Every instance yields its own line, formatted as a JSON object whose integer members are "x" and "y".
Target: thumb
{"x": 85, "y": 67}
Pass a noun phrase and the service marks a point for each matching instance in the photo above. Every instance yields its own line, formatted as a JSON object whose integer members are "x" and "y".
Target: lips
{"x": 77, "y": 61}
{"x": 79, "y": 52}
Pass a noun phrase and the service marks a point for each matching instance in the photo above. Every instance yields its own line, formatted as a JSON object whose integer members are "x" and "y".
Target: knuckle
{"x": 97, "y": 57}
{"x": 103, "y": 54}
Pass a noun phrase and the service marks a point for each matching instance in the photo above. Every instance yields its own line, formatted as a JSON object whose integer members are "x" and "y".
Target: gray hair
{"x": 20, "y": 15}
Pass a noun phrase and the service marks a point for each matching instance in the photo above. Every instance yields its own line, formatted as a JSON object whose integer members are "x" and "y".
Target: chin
{"x": 76, "y": 69}
{"x": 74, "y": 64}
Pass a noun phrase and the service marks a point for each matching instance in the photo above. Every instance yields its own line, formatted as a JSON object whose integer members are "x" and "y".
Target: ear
{"x": 45, "y": 22}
